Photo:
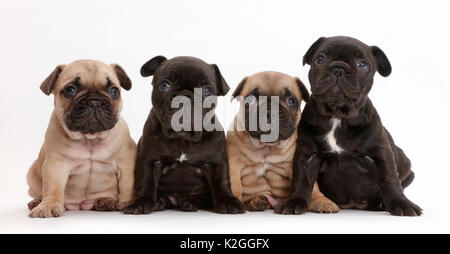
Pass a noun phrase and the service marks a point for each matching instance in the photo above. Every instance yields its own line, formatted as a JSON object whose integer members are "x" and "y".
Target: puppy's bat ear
{"x": 124, "y": 80}
{"x": 222, "y": 85}
{"x": 303, "y": 90}
{"x": 239, "y": 88}
{"x": 383, "y": 64}
{"x": 49, "y": 83}
{"x": 307, "y": 58}
{"x": 151, "y": 65}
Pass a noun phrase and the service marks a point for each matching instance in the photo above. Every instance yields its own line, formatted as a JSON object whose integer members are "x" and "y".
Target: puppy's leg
{"x": 125, "y": 175}
{"x": 105, "y": 204}
{"x": 320, "y": 203}
{"x": 236, "y": 167}
{"x": 223, "y": 200}
{"x": 402, "y": 162}
{"x": 404, "y": 168}
{"x": 391, "y": 190}
{"x": 55, "y": 173}
{"x": 34, "y": 180}
{"x": 305, "y": 173}
{"x": 146, "y": 199}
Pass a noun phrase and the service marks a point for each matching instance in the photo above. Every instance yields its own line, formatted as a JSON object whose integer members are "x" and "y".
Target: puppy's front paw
{"x": 188, "y": 206}
{"x": 33, "y": 203}
{"x": 259, "y": 203}
{"x": 47, "y": 210}
{"x": 230, "y": 205}
{"x": 138, "y": 208}
{"x": 292, "y": 206}
{"x": 105, "y": 204}
{"x": 403, "y": 207}
{"x": 323, "y": 205}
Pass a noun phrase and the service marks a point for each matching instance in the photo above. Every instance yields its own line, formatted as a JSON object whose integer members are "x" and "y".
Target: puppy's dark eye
{"x": 319, "y": 59}
{"x": 291, "y": 102}
{"x": 206, "y": 91}
{"x": 164, "y": 86}
{"x": 71, "y": 91}
{"x": 362, "y": 65}
{"x": 114, "y": 92}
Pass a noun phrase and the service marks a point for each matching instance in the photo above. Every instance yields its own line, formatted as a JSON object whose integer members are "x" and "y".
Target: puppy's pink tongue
{"x": 87, "y": 205}
{"x": 273, "y": 201}
{"x": 72, "y": 207}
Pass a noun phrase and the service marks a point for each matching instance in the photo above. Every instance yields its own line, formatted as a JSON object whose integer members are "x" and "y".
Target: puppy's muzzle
{"x": 285, "y": 128}
{"x": 91, "y": 113}
{"x": 339, "y": 69}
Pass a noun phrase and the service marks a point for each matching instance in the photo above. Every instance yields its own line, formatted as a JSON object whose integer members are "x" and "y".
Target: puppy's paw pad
{"x": 259, "y": 203}
{"x": 292, "y": 206}
{"x": 230, "y": 205}
{"x": 323, "y": 205}
{"x": 105, "y": 204}
{"x": 33, "y": 203}
{"x": 47, "y": 210}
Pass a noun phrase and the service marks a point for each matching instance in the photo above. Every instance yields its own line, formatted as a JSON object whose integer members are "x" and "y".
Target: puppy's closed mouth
{"x": 336, "y": 109}
{"x": 92, "y": 124}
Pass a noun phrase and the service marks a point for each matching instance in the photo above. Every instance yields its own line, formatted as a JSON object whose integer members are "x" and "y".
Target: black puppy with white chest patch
{"x": 185, "y": 169}
{"x": 342, "y": 143}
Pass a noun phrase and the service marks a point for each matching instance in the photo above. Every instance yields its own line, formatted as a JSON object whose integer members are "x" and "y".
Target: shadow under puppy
{"x": 87, "y": 159}
{"x": 343, "y": 144}
{"x": 187, "y": 168}
{"x": 261, "y": 172}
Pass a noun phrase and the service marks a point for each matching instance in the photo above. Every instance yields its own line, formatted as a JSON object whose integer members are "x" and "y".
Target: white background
{"x": 242, "y": 37}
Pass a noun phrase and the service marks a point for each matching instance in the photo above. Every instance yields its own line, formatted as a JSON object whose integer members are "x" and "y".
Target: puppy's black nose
{"x": 338, "y": 71}
{"x": 95, "y": 103}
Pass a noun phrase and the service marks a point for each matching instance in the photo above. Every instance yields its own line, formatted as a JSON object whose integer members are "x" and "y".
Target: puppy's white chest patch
{"x": 182, "y": 158}
{"x": 330, "y": 137}
{"x": 262, "y": 170}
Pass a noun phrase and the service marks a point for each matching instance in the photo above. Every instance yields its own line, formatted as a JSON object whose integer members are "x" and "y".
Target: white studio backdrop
{"x": 242, "y": 38}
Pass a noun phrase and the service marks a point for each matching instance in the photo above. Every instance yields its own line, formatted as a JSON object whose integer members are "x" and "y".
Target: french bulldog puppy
{"x": 182, "y": 168}
{"x": 342, "y": 143}
{"x": 261, "y": 172}
{"x": 87, "y": 159}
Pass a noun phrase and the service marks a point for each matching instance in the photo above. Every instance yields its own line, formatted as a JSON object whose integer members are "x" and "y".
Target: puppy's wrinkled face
{"x": 87, "y": 95}
{"x": 183, "y": 77}
{"x": 259, "y": 91}
{"x": 341, "y": 74}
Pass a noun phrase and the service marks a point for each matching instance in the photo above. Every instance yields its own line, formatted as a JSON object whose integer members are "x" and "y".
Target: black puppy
{"x": 182, "y": 169}
{"x": 342, "y": 143}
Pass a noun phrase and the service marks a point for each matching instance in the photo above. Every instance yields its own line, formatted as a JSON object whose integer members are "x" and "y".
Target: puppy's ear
{"x": 49, "y": 83}
{"x": 239, "y": 88}
{"x": 151, "y": 65}
{"x": 222, "y": 85}
{"x": 307, "y": 58}
{"x": 124, "y": 80}
{"x": 303, "y": 90}
{"x": 383, "y": 64}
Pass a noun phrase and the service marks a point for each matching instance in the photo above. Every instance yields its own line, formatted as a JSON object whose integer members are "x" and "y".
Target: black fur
{"x": 371, "y": 171}
{"x": 162, "y": 180}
